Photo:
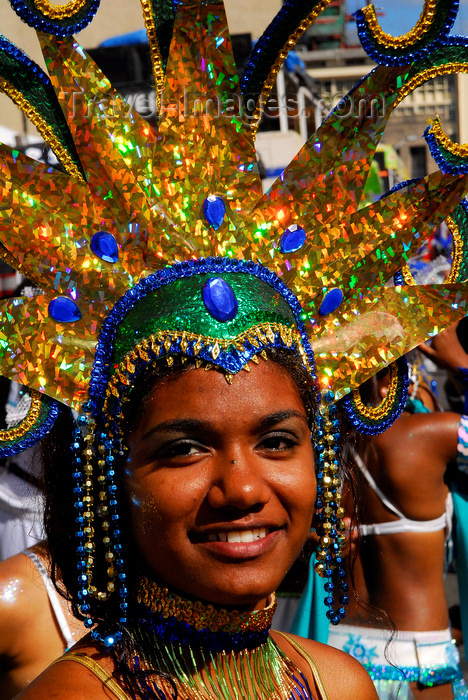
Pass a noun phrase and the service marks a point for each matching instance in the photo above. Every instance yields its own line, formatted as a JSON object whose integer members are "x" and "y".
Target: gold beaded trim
{"x": 460, "y": 150}
{"x": 407, "y": 276}
{"x": 41, "y": 125}
{"x": 27, "y": 423}
{"x": 457, "y": 251}
{"x": 200, "y": 615}
{"x": 89, "y": 455}
{"x": 423, "y": 25}
{"x": 457, "y": 256}
{"x": 434, "y": 72}
{"x": 59, "y": 11}
{"x": 383, "y": 409}
{"x": 261, "y": 336}
{"x": 155, "y": 52}
{"x": 282, "y": 56}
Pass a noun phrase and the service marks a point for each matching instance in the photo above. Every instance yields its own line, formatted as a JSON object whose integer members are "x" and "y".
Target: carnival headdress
{"x": 156, "y": 242}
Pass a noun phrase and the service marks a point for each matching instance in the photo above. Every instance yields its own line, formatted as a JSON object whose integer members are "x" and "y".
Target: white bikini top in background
{"x": 403, "y": 524}
{"x": 53, "y": 598}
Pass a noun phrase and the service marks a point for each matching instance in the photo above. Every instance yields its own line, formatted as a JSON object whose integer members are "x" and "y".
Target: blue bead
{"x": 214, "y": 211}
{"x": 331, "y": 301}
{"x": 64, "y": 310}
{"x": 104, "y": 245}
{"x": 220, "y": 299}
{"x": 292, "y": 239}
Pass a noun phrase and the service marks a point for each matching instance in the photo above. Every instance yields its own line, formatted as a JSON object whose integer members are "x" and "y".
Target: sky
{"x": 401, "y": 15}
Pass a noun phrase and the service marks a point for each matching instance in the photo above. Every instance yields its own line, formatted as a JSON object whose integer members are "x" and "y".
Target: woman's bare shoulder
{"x": 21, "y": 596}
{"x": 70, "y": 680}
{"x": 343, "y": 677}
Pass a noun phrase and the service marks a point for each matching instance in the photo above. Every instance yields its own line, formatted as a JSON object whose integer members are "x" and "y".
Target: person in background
{"x": 406, "y": 512}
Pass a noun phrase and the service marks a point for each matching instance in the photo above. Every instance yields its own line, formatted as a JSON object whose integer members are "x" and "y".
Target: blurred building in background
{"x": 327, "y": 62}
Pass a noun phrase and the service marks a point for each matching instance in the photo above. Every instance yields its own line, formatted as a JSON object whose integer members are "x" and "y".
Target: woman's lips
{"x": 240, "y": 544}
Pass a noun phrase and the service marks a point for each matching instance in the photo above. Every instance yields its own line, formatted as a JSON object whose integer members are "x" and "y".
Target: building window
{"x": 418, "y": 161}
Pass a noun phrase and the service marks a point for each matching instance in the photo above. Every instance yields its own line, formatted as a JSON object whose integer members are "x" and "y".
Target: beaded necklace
{"x": 203, "y": 652}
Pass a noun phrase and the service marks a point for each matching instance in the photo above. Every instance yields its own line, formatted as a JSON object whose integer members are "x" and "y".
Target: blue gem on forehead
{"x": 292, "y": 239}
{"x": 104, "y": 245}
{"x": 331, "y": 301}
{"x": 64, "y": 310}
{"x": 214, "y": 211}
{"x": 220, "y": 299}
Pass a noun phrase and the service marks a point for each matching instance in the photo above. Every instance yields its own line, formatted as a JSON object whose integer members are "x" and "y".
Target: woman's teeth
{"x": 239, "y": 536}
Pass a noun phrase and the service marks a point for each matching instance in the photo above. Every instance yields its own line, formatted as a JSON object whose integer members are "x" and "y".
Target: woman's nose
{"x": 239, "y": 482}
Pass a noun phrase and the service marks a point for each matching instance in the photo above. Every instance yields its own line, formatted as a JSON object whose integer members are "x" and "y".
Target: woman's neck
{"x": 197, "y": 623}
{"x": 207, "y": 651}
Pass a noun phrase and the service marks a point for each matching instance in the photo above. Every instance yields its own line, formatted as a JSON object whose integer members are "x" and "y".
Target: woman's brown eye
{"x": 180, "y": 449}
{"x": 278, "y": 442}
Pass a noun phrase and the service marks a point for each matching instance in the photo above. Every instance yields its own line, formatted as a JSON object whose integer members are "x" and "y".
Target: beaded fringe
{"x": 263, "y": 673}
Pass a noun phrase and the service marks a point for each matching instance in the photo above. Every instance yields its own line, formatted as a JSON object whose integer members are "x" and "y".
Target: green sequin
{"x": 179, "y": 307}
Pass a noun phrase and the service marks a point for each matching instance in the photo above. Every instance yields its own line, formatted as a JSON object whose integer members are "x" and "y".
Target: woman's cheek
{"x": 149, "y": 515}
{"x": 145, "y": 507}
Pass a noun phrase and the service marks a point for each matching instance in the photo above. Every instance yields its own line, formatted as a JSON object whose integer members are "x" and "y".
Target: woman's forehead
{"x": 267, "y": 388}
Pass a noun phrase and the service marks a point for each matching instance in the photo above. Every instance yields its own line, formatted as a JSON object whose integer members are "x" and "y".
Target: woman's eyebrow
{"x": 278, "y": 417}
{"x": 194, "y": 425}
{"x": 185, "y": 425}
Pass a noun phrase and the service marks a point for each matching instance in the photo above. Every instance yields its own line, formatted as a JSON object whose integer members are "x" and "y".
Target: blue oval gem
{"x": 292, "y": 239}
{"x": 214, "y": 210}
{"x": 64, "y": 310}
{"x": 220, "y": 299}
{"x": 104, "y": 245}
{"x": 331, "y": 301}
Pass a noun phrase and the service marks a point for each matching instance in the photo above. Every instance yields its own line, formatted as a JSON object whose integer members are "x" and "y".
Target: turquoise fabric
{"x": 414, "y": 405}
{"x": 311, "y": 619}
{"x": 460, "y": 506}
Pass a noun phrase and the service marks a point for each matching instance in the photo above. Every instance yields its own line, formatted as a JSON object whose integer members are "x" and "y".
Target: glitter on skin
{"x": 10, "y": 591}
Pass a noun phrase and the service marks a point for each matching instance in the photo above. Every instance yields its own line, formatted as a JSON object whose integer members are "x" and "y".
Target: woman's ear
{"x": 383, "y": 391}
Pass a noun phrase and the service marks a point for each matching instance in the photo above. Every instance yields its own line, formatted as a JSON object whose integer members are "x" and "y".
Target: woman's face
{"x": 221, "y": 482}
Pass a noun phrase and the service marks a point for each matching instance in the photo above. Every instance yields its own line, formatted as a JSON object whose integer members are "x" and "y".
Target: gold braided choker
{"x": 202, "y": 616}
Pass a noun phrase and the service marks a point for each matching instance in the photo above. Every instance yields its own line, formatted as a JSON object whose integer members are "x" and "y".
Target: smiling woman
{"x": 220, "y": 490}
{"x": 205, "y": 331}
{"x": 243, "y": 474}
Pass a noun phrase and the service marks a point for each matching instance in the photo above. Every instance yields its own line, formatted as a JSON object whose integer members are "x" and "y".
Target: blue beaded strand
{"x": 78, "y": 492}
{"x": 405, "y": 56}
{"x": 36, "y": 433}
{"x": 369, "y": 426}
{"x": 84, "y": 582}
{"x": 336, "y": 585}
{"x": 36, "y": 19}
{"x": 445, "y": 165}
{"x": 12, "y": 50}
